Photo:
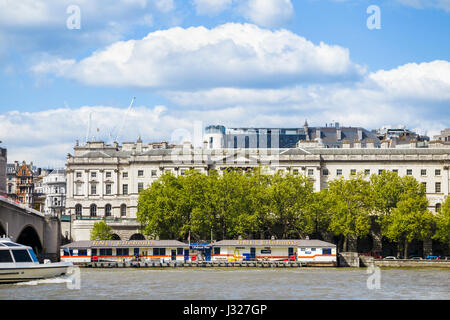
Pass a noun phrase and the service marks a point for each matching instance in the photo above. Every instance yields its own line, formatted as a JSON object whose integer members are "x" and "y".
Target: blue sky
{"x": 237, "y": 63}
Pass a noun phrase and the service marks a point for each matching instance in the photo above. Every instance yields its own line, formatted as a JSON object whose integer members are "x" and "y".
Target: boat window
{"x": 33, "y": 256}
{"x": 10, "y": 244}
{"x": 82, "y": 252}
{"x": 122, "y": 251}
{"x": 21, "y": 256}
{"x": 179, "y": 251}
{"x": 326, "y": 251}
{"x": 5, "y": 256}
{"x": 106, "y": 252}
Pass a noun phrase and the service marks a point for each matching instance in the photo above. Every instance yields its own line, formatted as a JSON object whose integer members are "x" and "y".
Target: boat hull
{"x": 36, "y": 272}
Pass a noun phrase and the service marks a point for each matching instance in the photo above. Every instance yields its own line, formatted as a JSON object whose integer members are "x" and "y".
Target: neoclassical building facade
{"x": 104, "y": 181}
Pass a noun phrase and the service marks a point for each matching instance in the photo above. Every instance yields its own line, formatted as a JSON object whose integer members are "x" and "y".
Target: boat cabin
{"x": 273, "y": 250}
{"x": 12, "y": 253}
{"x": 121, "y": 250}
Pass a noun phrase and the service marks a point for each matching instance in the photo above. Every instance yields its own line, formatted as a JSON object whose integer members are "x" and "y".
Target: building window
{"x": 339, "y": 172}
{"x": 79, "y": 189}
{"x": 140, "y": 173}
{"x": 182, "y": 171}
{"x": 78, "y": 174}
{"x": 154, "y": 173}
{"x": 438, "y": 207}
{"x": 108, "y": 210}
{"x": 78, "y": 210}
{"x": 437, "y": 172}
{"x": 380, "y": 171}
{"x": 123, "y": 210}
{"x": 125, "y": 189}
{"x": 325, "y": 172}
{"x": 409, "y": 172}
{"x": 437, "y": 187}
{"x": 140, "y": 187}
{"x": 108, "y": 188}
{"x": 423, "y": 172}
{"x": 310, "y": 172}
{"x": 424, "y": 184}
{"x": 367, "y": 172}
{"x": 124, "y": 174}
{"x": 93, "y": 189}
{"x": 93, "y": 174}
{"x": 295, "y": 172}
{"x": 395, "y": 170}
{"x": 108, "y": 174}
{"x": 352, "y": 172}
{"x": 93, "y": 210}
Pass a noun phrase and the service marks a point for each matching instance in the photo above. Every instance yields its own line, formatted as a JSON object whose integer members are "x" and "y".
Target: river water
{"x": 238, "y": 283}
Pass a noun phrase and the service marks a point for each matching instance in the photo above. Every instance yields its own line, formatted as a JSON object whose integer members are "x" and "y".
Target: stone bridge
{"x": 30, "y": 227}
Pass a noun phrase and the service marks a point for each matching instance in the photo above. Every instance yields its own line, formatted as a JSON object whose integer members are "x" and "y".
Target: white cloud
{"x": 416, "y": 81}
{"x": 165, "y": 5}
{"x": 241, "y": 55}
{"x": 267, "y": 13}
{"x": 211, "y": 7}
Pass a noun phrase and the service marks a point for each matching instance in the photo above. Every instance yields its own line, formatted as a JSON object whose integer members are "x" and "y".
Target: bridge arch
{"x": 29, "y": 237}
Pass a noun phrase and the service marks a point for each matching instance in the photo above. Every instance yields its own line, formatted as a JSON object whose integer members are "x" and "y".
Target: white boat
{"x": 18, "y": 263}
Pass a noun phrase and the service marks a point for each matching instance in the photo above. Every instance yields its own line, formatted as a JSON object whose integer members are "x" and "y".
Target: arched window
{"x": 93, "y": 210}
{"x": 108, "y": 210}
{"x": 123, "y": 210}
{"x": 78, "y": 210}
{"x": 438, "y": 207}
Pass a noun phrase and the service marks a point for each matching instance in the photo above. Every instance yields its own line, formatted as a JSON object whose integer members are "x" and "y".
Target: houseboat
{"x": 311, "y": 251}
{"x": 18, "y": 263}
{"x": 80, "y": 252}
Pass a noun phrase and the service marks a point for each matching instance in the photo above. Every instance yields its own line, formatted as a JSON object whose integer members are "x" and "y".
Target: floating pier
{"x": 205, "y": 264}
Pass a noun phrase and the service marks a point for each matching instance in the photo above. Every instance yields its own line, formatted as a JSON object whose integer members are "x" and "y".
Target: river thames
{"x": 238, "y": 284}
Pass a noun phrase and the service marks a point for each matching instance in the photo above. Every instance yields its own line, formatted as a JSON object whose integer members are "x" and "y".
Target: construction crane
{"x": 124, "y": 119}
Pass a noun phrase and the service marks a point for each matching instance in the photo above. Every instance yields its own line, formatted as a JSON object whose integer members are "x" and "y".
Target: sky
{"x": 246, "y": 63}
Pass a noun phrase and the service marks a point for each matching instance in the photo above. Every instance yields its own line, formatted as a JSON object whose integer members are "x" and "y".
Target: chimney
{"x": 360, "y": 134}
{"x": 370, "y": 144}
{"x": 338, "y": 134}
{"x": 139, "y": 145}
{"x": 346, "y": 144}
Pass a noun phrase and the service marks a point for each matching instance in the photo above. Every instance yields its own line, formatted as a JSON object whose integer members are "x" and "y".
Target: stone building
{"x": 444, "y": 137}
{"x": 3, "y": 162}
{"x": 104, "y": 181}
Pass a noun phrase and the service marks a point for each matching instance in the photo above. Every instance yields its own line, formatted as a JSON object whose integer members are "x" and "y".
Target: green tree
{"x": 408, "y": 221}
{"x": 162, "y": 208}
{"x": 350, "y": 207}
{"x": 101, "y": 231}
{"x": 443, "y": 223}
